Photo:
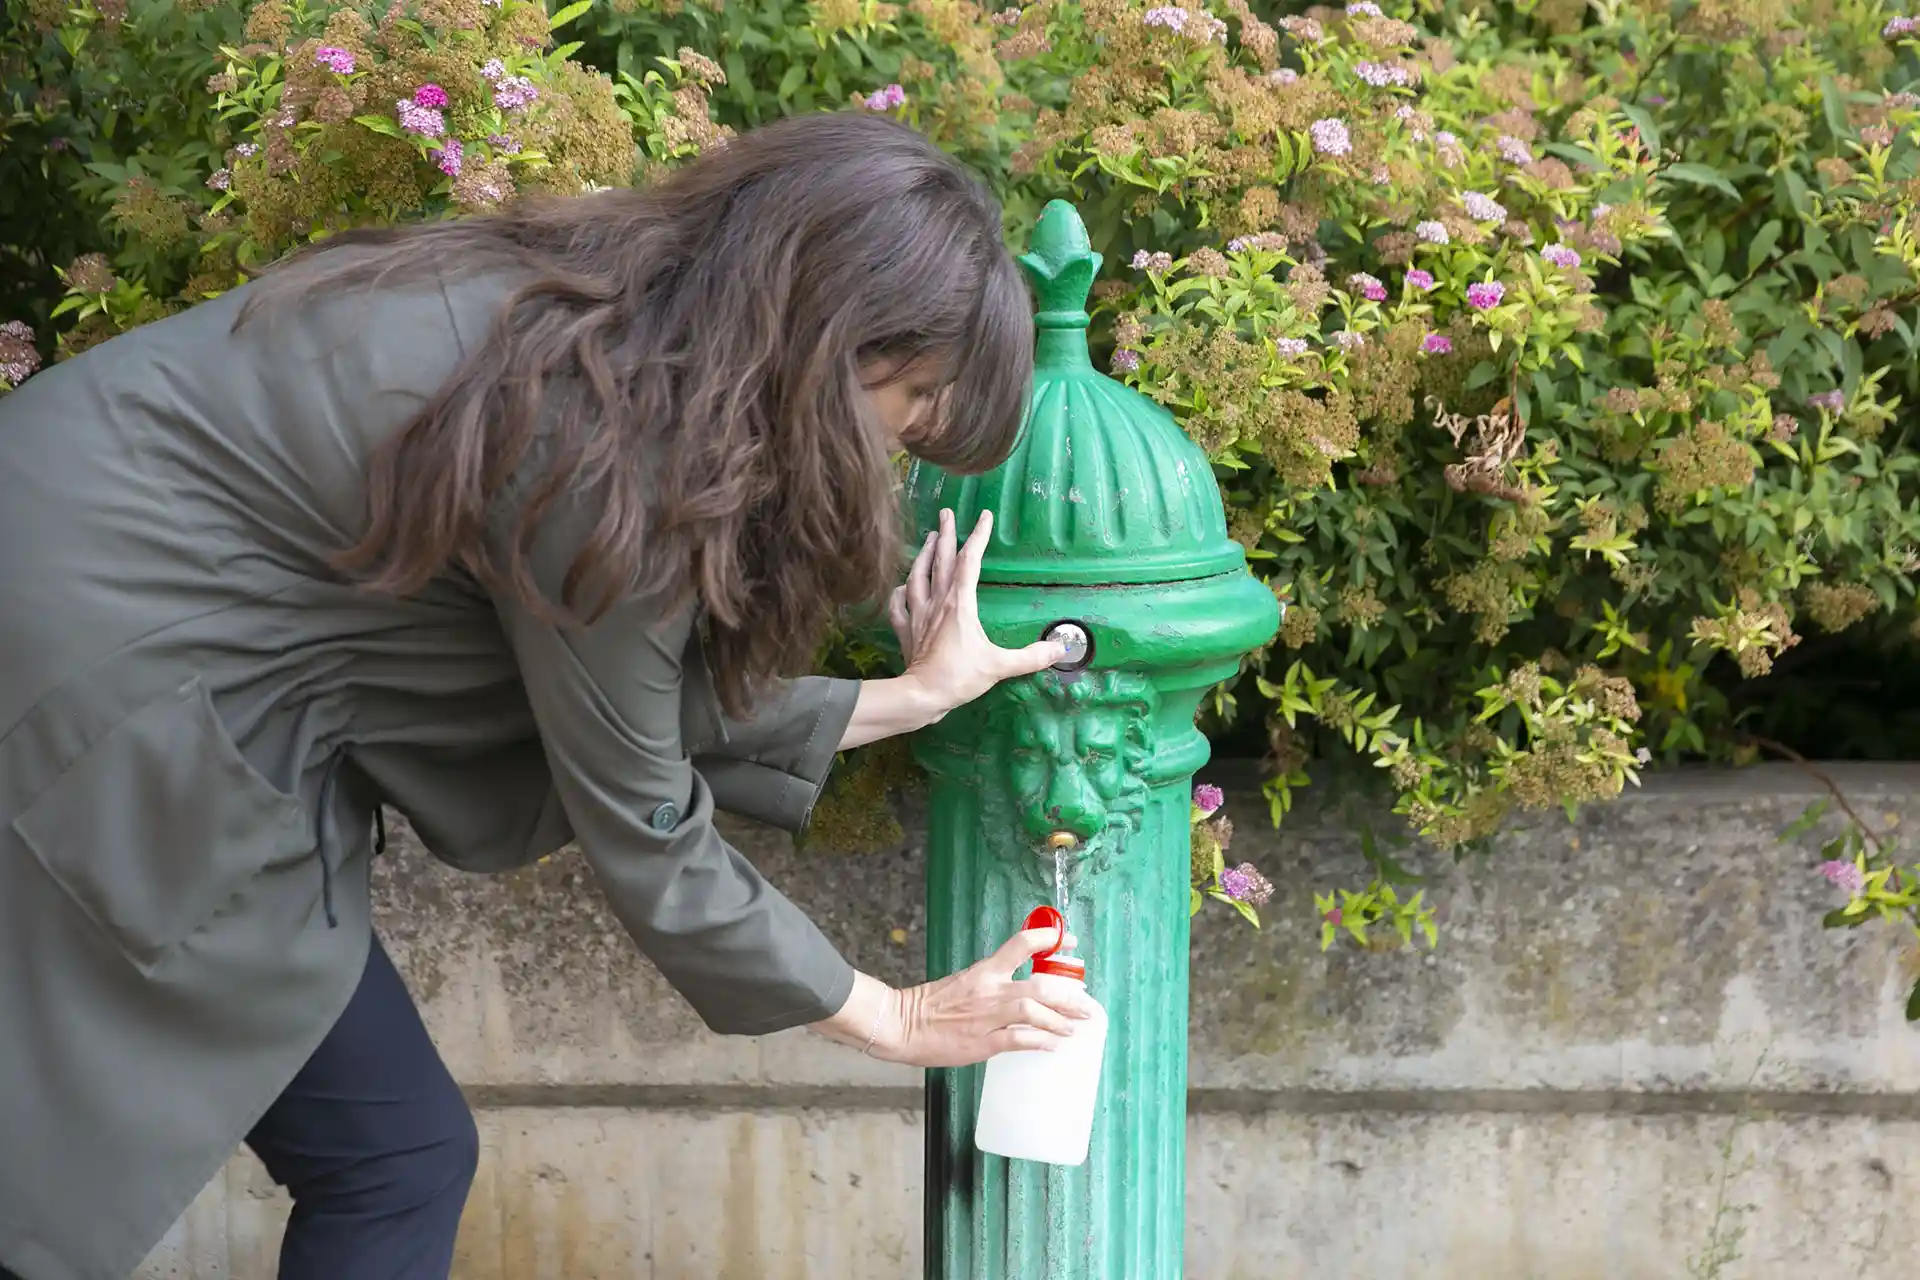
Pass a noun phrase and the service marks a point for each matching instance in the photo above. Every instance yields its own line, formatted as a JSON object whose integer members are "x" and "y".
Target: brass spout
{"x": 1062, "y": 840}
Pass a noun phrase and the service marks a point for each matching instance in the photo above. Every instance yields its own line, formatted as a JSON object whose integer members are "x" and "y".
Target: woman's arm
{"x": 888, "y": 708}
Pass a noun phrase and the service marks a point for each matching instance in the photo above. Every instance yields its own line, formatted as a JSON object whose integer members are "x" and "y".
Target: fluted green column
{"x": 1108, "y": 518}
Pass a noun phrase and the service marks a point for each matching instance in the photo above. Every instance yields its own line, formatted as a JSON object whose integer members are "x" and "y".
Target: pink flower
{"x": 1897, "y": 27}
{"x": 220, "y": 179}
{"x": 1265, "y": 241}
{"x": 1561, "y": 255}
{"x": 338, "y": 61}
{"x": 1208, "y": 798}
{"x": 1125, "y": 361}
{"x": 1201, "y": 27}
{"x": 448, "y": 157}
{"x": 1152, "y": 263}
{"x": 1831, "y": 401}
{"x": 1382, "y": 74}
{"x": 887, "y": 99}
{"x": 1290, "y": 348}
{"x": 430, "y": 95}
{"x": 514, "y": 93}
{"x": 1437, "y": 344}
{"x": 1483, "y": 208}
{"x": 1244, "y": 884}
{"x": 505, "y": 144}
{"x": 1348, "y": 340}
{"x": 1367, "y": 286}
{"x": 492, "y": 69}
{"x": 1512, "y": 150}
{"x": 1334, "y": 916}
{"x": 1421, "y": 280}
{"x": 1485, "y": 297}
{"x": 1432, "y": 232}
{"x": 1330, "y": 137}
{"x": 1285, "y": 75}
{"x": 1363, "y": 9}
{"x": 1844, "y": 875}
{"x": 421, "y": 121}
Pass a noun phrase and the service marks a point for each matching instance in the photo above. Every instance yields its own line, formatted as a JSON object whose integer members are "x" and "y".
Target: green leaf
{"x": 1808, "y": 819}
{"x": 568, "y": 14}
{"x": 1246, "y": 909}
{"x": 1796, "y": 190}
{"x": 1649, "y": 132}
{"x": 1835, "y": 108}
{"x": 791, "y": 81}
{"x": 1713, "y": 252}
{"x": 380, "y": 124}
{"x": 1700, "y": 175}
{"x": 1763, "y": 244}
{"x": 1193, "y": 906}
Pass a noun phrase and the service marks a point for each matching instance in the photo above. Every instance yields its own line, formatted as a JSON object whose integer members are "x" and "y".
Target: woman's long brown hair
{"x": 688, "y": 358}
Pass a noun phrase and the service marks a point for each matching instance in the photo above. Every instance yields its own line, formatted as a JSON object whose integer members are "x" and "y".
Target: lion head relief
{"x": 1072, "y": 751}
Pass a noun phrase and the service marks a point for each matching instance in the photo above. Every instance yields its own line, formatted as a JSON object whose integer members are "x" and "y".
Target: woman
{"x": 513, "y": 524}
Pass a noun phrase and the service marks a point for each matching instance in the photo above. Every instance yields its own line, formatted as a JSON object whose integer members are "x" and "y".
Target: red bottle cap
{"x": 1051, "y": 961}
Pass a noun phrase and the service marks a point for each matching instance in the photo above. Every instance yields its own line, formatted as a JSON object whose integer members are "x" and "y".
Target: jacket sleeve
{"x": 772, "y": 766}
{"x": 607, "y": 701}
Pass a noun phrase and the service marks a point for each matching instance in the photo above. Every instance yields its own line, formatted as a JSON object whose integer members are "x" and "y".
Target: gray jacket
{"x": 199, "y": 722}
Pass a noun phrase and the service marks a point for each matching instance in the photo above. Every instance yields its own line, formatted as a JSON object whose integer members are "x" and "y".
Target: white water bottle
{"x": 1038, "y": 1104}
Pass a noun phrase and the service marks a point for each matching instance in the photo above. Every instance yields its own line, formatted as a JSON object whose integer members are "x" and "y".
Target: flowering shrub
{"x": 319, "y": 118}
{"x": 1557, "y": 359}
{"x": 1554, "y": 411}
{"x": 943, "y": 66}
{"x": 1242, "y": 887}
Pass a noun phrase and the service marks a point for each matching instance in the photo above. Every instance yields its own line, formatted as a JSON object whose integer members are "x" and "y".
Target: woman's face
{"x": 904, "y": 398}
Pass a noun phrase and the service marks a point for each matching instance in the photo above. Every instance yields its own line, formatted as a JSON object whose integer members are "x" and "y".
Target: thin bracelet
{"x": 874, "y": 1034}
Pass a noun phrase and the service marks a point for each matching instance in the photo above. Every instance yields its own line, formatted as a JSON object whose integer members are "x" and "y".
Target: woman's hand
{"x": 937, "y": 618}
{"x": 966, "y": 1018}
{"x": 981, "y": 1011}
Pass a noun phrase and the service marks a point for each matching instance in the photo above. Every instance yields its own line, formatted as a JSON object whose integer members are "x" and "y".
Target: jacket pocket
{"x": 159, "y": 824}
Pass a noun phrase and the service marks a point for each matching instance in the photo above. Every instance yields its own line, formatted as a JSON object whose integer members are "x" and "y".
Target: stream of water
{"x": 1060, "y": 886}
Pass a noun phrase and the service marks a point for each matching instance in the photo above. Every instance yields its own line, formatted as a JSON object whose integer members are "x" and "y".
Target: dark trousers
{"x": 375, "y": 1143}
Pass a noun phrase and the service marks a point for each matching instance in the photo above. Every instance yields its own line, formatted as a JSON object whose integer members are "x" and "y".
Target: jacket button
{"x": 666, "y": 817}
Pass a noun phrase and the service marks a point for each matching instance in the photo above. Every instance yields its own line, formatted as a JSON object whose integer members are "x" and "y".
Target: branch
{"x": 1833, "y": 788}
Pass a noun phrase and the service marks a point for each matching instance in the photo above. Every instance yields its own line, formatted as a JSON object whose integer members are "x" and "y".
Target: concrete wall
{"x": 1634, "y": 1045}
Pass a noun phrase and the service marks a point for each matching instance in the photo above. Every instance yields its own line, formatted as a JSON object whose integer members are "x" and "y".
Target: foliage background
{"x": 1653, "y": 500}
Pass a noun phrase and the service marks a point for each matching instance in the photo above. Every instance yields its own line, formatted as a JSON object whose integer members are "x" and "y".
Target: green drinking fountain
{"x": 1109, "y": 533}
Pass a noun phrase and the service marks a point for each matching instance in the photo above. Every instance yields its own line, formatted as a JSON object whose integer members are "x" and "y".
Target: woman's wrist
{"x": 889, "y": 708}
{"x": 871, "y": 1019}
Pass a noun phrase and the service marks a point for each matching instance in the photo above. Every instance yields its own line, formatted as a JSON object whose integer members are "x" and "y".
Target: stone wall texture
{"x": 1634, "y": 1052}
